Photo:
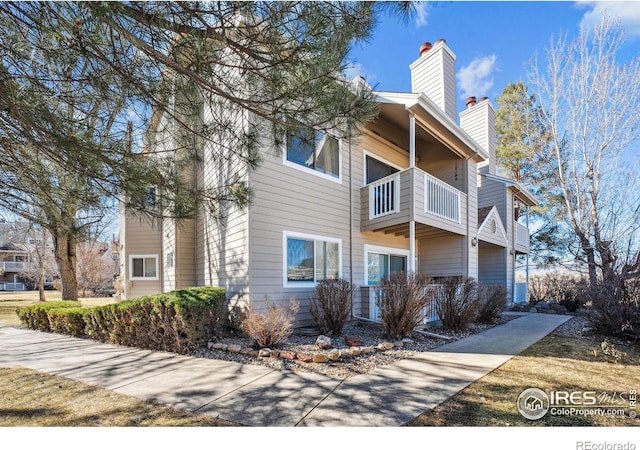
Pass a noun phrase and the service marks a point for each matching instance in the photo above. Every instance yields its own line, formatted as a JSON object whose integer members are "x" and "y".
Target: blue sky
{"x": 493, "y": 41}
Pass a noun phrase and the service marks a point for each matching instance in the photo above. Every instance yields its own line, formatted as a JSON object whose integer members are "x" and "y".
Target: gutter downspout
{"x": 350, "y": 217}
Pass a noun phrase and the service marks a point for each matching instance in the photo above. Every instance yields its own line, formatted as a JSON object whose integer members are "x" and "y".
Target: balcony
{"x": 522, "y": 238}
{"x": 13, "y": 266}
{"x": 12, "y": 287}
{"x": 413, "y": 194}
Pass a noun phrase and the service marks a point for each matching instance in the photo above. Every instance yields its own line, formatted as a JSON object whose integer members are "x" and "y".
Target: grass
{"x": 31, "y": 398}
{"x": 556, "y": 363}
{"x": 9, "y": 301}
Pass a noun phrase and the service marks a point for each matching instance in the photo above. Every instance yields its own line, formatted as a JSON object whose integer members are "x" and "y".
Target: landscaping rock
{"x": 352, "y": 341}
{"x": 254, "y": 353}
{"x": 384, "y": 346}
{"x": 246, "y": 350}
{"x": 218, "y": 346}
{"x": 334, "y": 354}
{"x": 407, "y": 341}
{"x": 533, "y": 310}
{"x": 398, "y": 344}
{"x": 210, "y": 345}
{"x": 323, "y": 342}
{"x": 287, "y": 355}
{"x": 320, "y": 358}
{"x": 346, "y": 353}
{"x": 355, "y": 351}
{"x": 234, "y": 348}
{"x": 365, "y": 350}
{"x": 304, "y": 357}
{"x": 264, "y": 352}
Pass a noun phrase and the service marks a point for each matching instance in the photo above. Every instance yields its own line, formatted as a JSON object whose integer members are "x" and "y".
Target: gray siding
{"x": 493, "y": 265}
{"x": 442, "y": 256}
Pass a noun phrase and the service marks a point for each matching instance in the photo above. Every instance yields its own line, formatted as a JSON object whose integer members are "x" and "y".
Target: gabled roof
{"x": 520, "y": 192}
{"x": 491, "y": 229}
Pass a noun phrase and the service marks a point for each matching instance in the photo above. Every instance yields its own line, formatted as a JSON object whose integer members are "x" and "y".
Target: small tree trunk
{"x": 41, "y": 288}
{"x": 65, "y": 252}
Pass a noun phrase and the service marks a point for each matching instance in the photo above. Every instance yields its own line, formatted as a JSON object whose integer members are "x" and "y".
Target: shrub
{"x": 403, "y": 302}
{"x": 67, "y": 321}
{"x": 615, "y": 310}
{"x": 331, "y": 305}
{"x": 457, "y": 303}
{"x": 178, "y": 321}
{"x": 492, "y": 300}
{"x": 272, "y": 327}
{"x": 35, "y": 316}
{"x": 564, "y": 289}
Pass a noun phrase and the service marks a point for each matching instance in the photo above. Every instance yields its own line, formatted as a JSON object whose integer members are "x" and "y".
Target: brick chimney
{"x": 478, "y": 121}
{"x": 434, "y": 74}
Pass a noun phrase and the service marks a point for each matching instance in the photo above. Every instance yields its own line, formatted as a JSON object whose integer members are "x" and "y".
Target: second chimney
{"x": 478, "y": 121}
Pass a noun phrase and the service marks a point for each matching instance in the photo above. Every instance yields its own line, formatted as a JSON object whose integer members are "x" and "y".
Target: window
{"x": 146, "y": 199}
{"x": 310, "y": 259}
{"x": 383, "y": 261}
{"x": 144, "y": 267}
{"x": 315, "y": 151}
{"x": 377, "y": 169}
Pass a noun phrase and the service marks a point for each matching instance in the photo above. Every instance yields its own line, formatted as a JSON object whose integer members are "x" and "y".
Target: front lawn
{"x": 556, "y": 363}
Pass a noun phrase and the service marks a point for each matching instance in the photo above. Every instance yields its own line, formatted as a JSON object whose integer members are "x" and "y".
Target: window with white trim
{"x": 315, "y": 151}
{"x": 309, "y": 259}
{"x": 144, "y": 267}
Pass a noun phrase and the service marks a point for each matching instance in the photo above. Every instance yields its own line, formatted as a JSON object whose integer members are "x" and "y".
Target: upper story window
{"x": 315, "y": 151}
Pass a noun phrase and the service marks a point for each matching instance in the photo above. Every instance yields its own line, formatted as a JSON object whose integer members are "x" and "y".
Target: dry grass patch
{"x": 31, "y": 398}
{"x": 555, "y": 363}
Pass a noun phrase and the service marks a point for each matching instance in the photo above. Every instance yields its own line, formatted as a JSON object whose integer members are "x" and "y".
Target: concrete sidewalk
{"x": 259, "y": 396}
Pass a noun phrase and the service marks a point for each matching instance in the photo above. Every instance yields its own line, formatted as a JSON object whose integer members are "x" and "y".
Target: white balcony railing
{"x": 13, "y": 287}
{"x": 384, "y": 196}
{"x": 441, "y": 199}
{"x": 12, "y": 266}
{"x": 522, "y": 235}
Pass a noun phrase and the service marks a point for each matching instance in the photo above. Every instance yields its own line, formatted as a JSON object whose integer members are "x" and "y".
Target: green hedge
{"x": 67, "y": 321}
{"x": 36, "y": 316}
{"x": 178, "y": 321}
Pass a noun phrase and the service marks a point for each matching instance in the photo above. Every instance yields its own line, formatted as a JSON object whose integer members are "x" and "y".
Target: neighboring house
{"x": 415, "y": 191}
{"x": 17, "y": 243}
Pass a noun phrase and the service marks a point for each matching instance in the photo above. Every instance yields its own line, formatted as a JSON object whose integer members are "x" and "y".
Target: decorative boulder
{"x": 320, "y": 358}
{"x": 334, "y": 354}
{"x": 353, "y": 341}
{"x": 323, "y": 342}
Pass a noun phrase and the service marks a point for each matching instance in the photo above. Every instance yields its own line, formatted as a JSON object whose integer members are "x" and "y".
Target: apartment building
{"x": 417, "y": 190}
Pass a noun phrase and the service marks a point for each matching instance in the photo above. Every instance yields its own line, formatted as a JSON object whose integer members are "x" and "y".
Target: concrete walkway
{"x": 258, "y": 396}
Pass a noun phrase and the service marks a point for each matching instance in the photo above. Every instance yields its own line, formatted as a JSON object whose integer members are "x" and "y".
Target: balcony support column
{"x": 412, "y": 141}
{"x": 412, "y": 246}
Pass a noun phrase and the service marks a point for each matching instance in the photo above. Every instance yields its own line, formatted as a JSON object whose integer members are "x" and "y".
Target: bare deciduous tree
{"x": 589, "y": 99}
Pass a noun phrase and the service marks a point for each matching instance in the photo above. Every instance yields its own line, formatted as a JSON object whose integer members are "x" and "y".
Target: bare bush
{"x": 457, "y": 304}
{"x": 331, "y": 305}
{"x": 492, "y": 300}
{"x": 568, "y": 290}
{"x": 403, "y": 302}
{"x": 614, "y": 309}
{"x": 272, "y": 327}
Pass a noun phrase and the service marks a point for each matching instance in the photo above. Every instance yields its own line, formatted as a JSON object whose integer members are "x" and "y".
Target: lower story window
{"x": 310, "y": 259}
{"x": 144, "y": 267}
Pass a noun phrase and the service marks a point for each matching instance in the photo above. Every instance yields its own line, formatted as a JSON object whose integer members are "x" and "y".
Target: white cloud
{"x": 422, "y": 13}
{"x": 628, "y": 13}
{"x": 475, "y": 79}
